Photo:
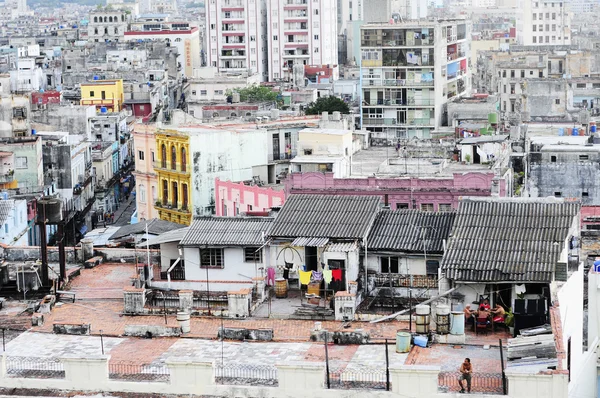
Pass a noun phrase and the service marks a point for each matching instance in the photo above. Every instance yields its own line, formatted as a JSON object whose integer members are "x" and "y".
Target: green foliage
{"x": 509, "y": 320}
{"x": 254, "y": 93}
{"x": 327, "y": 104}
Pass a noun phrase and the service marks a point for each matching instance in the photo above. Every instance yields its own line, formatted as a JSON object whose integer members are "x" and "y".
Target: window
{"x": 534, "y": 16}
{"x": 505, "y": 89}
{"x": 252, "y": 254}
{"x": 522, "y": 74}
{"x": 557, "y": 101}
{"x": 584, "y": 157}
{"x": 183, "y": 159}
{"x": 389, "y": 265}
{"x": 585, "y": 194}
{"x": 21, "y": 162}
{"x": 211, "y": 258}
{"x": 401, "y": 205}
{"x": 142, "y": 192}
{"x": 165, "y": 191}
{"x": 554, "y": 27}
{"x": 316, "y": 49}
{"x": 193, "y": 92}
{"x": 432, "y": 267}
{"x": 91, "y": 93}
{"x": 581, "y": 85}
{"x": 534, "y": 29}
{"x": 316, "y": 37}
{"x": 141, "y": 155}
{"x": 557, "y": 194}
{"x": 103, "y": 94}
{"x": 553, "y": 14}
{"x": 512, "y": 73}
{"x": 275, "y": 38}
{"x": 445, "y": 207}
{"x": 427, "y": 206}
{"x": 203, "y": 92}
{"x": 173, "y": 158}
{"x": 553, "y": 159}
{"x": 534, "y": 40}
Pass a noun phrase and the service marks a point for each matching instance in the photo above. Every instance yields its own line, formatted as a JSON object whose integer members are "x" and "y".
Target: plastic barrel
{"x": 421, "y": 341}
{"x": 561, "y": 131}
{"x": 402, "y": 342}
{"x": 493, "y": 118}
{"x": 443, "y": 319}
{"x": 575, "y": 131}
{"x": 457, "y": 322}
{"x": 280, "y": 288}
{"x": 593, "y": 128}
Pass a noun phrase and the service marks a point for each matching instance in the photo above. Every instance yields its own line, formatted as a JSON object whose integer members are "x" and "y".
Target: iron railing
{"x": 358, "y": 377}
{"x": 488, "y": 383}
{"x": 34, "y": 367}
{"x": 246, "y": 374}
{"x": 135, "y": 372}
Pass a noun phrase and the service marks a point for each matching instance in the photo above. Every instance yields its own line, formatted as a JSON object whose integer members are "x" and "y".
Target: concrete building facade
{"x": 546, "y": 22}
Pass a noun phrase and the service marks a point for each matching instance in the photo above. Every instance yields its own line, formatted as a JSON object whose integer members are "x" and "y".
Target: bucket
{"x": 422, "y": 319}
{"x": 313, "y": 288}
{"x": 421, "y": 341}
{"x": 280, "y": 288}
{"x": 183, "y": 319}
{"x": 402, "y": 342}
{"x": 457, "y": 323}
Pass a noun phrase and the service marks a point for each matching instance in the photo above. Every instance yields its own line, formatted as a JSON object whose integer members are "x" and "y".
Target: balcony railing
{"x": 7, "y": 177}
{"x": 399, "y": 280}
{"x": 182, "y": 208}
{"x": 281, "y": 156}
{"x": 174, "y": 167}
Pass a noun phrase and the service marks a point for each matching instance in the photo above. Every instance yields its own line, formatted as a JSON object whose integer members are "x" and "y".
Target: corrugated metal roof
{"x": 408, "y": 231}
{"x": 316, "y": 242}
{"x": 171, "y": 236}
{"x": 227, "y": 231}
{"x": 507, "y": 240}
{"x": 326, "y": 216}
{"x": 155, "y": 227}
{"x": 342, "y": 247}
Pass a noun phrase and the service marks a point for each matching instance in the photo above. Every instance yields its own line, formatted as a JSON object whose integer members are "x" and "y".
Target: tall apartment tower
{"x": 300, "y": 32}
{"x": 409, "y": 71}
{"x": 543, "y": 23}
{"x": 236, "y": 36}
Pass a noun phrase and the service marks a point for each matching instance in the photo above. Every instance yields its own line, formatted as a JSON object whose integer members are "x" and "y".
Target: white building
{"x": 546, "y": 22}
{"x": 27, "y": 76}
{"x": 107, "y": 25}
{"x": 300, "y": 32}
{"x": 13, "y": 222}
{"x": 178, "y": 34}
{"x": 236, "y": 36}
{"x": 409, "y": 71}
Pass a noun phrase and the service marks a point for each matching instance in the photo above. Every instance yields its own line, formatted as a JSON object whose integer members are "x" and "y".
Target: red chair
{"x": 482, "y": 324}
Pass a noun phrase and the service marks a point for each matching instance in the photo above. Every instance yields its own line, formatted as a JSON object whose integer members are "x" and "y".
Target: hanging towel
{"x": 270, "y": 276}
{"x": 327, "y": 275}
{"x": 337, "y": 274}
{"x": 317, "y": 276}
{"x": 305, "y": 277}
{"x": 286, "y": 273}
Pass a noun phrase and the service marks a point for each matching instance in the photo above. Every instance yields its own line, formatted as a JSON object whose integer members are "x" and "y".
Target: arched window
{"x": 109, "y": 19}
{"x": 105, "y": 31}
{"x": 105, "y": 19}
{"x": 95, "y": 19}
{"x": 116, "y": 30}
{"x": 183, "y": 159}
{"x": 173, "y": 158}
{"x": 184, "y": 194}
{"x": 122, "y": 17}
{"x": 165, "y": 192}
{"x": 174, "y": 194}
{"x": 153, "y": 193}
{"x": 163, "y": 156}
{"x": 95, "y": 31}
{"x": 142, "y": 193}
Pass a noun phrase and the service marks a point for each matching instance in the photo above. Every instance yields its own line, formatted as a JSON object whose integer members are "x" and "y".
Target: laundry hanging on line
{"x": 305, "y": 277}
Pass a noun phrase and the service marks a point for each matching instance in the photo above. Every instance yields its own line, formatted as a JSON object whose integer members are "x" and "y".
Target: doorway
{"x": 339, "y": 285}
{"x": 311, "y": 258}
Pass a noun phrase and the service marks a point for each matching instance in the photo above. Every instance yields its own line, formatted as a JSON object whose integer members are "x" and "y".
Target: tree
{"x": 254, "y": 93}
{"x": 327, "y": 104}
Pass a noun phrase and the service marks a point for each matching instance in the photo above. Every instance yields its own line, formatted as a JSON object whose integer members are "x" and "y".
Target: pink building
{"x": 431, "y": 194}
{"x": 233, "y": 198}
{"x": 145, "y": 176}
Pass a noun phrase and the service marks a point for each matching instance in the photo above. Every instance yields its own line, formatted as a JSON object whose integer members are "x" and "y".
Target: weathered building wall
{"x": 546, "y": 97}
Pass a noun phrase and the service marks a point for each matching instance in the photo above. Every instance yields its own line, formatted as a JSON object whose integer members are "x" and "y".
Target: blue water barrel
{"x": 96, "y": 77}
{"x": 33, "y": 131}
{"x": 421, "y": 341}
{"x": 593, "y": 128}
{"x": 561, "y": 131}
{"x": 103, "y": 109}
{"x": 575, "y": 131}
{"x": 402, "y": 342}
{"x": 457, "y": 322}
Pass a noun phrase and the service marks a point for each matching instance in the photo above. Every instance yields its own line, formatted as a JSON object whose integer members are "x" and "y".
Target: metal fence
{"x": 135, "y": 372}
{"x": 34, "y": 367}
{"x": 246, "y": 374}
{"x": 488, "y": 383}
{"x": 357, "y": 377}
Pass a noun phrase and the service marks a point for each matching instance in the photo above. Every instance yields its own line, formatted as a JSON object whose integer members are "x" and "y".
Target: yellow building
{"x": 173, "y": 169}
{"x": 103, "y": 94}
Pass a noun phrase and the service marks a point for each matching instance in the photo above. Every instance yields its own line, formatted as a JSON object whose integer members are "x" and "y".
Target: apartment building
{"x": 107, "y": 25}
{"x": 409, "y": 70}
{"x": 300, "y": 32}
{"x": 236, "y": 36}
{"x": 181, "y": 35}
{"x": 543, "y": 22}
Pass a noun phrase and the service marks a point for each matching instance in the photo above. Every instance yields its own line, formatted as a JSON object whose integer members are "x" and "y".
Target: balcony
{"x": 421, "y": 122}
{"x": 379, "y": 121}
{"x": 7, "y": 177}
{"x": 281, "y": 157}
{"x": 172, "y": 167}
{"x": 398, "y": 280}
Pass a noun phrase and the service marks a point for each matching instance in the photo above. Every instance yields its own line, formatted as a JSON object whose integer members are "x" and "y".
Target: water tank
{"x": 103, "y": 109}
{"x": 483, "y": 131}
{"x": 442, "y": 319}
{"x": 50, "y": 210}
{"x": 493, "y": 118}
{"x": 402, "y": 342}
{"x": 457, "y": 323}
{"x": 592, "y": 127}
{"x": 561, "y": 131}
{"x": 422, "y": 320}
{"x": 235, "y": 98}
{"x": 33, "y": 131}
{"x": 275, "y": 114}
{"x": 575, "y": 131}
{"x": 96, "y": 78}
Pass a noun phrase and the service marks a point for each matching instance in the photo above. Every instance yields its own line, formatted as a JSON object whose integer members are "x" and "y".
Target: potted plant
{"x": 468, "y": 158}
{"x": 158, "y": 203}
{"x": 509, "y": 321}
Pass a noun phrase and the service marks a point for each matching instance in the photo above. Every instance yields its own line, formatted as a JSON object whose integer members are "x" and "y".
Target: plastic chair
{"x": 481, "y": 324}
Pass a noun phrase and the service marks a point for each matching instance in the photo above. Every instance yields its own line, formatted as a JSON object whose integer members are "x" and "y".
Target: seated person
{"x": 486, "y": 304}
{"x": 483, "y": 313}
{"x": 468, "y": 314}
{"x": 498, "y": 313}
